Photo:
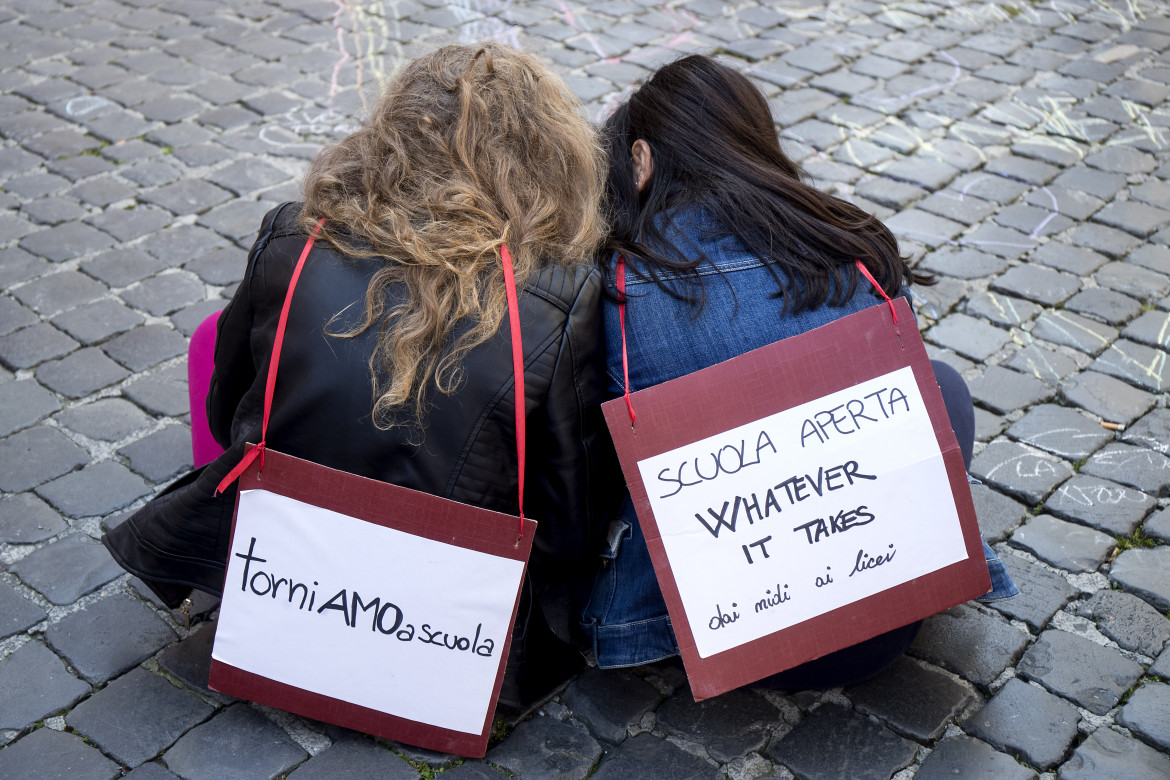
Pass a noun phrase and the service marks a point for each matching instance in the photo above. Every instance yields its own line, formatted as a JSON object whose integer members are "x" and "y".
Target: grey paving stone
{"x": 97, "y": 321}
{"x": 998, "y": 515}
{"x": 924, "y": 227}
{"x": 1001, "y": 309}
{"x": 190, "y": 659}
{"x": 182, "y": 241}
{"x": 247, "y": 175}
{"x": 963, "y": 756}
{"x": 190, "y": 318}
{"x": 23, "y": 403}
{"x": 238, "y": 220}
{"x": 122, "y": 266}
{"x": 646, "y": 755}
{"x": 1105, "y": 305}
{"x": 37, "y": 343}
{"x": 889, "y": 193}
{"x": 1042, "y": 593}
{"x": 137, "y": 716}
{"x": 1101, "y": 504}
{"x": 1147, "y": 714}
{"x": 958, "y": 207}
{"x": 1027, "y": 720}
{"x": 36, "y": 684}
{"x": 78, "y": 168}
{"x": 1060, "y": 430}
{"x": 355, "y": 756}
{"x": 17, "y": 614}
{"x": 106, "y": 419}
{"x": 162, "y": 392}
{"x": 547, "y": 747}
{"x": 65, "y": 242}
{"x": 1146, "y": 574}
{"x": 1145, "y": 469}
{"x": 26, "y": 519}
{"x": 152, "y": 173}
{"x": 236, "y": 743}
{"x": 1019, "y": 470}
{"x": 97, "y": 489}
{"x": 1156, "y": 526}
{"x": 834, "y": 742}
{"x": 162, "y": 454}
{"x": 1003, "y": 391}
{"x": 473, "y": 770}
{"x": 127, "y": 224}
{"x": 164, "y": 293}
{"x": 1044, "y": 364}
{"x": 55, "y": 754}
{"x": 606, "y": 701}
{"x": 968, "y": 336}
{"x": 799, "y": 104}
{"x": 1127, "y": 620}
{"x": 1161, "y": 666}
{"x": 67, "y": 569}
{"x": 1037, "y": 283}
{"x": 189, "y": 196}
{"x": 108, "y": 637}
{"x": 1092, "y": 676}
{"x": 1151, "y": 431}
{"x": 1072, "y": 330}
{"x": 1072, "y": 203}
{"x": 1106, "y": 397}
{"x": 36, "y": 185}
{"x": 53, "y": 211}
{"x": 17, "y": 265}
{"x": 1135, "y": 363}
{"x": 728, "y": 726}
{"x": 145, "y": 346}
{"x": 1132, "y": 217}
{"x": 168, "y": 109}
{"x": 922, "y": 172}
{"x": 1064, "y": 545}
{"x": 81, "y": 373}
{"x": 940, "y": 699}
{"x": 1100, "y": 238}
{"x": 1152, "y": 328}
{"x": 36, "y": 455}
{"x": 222, "y": 266}
{"x": 1133, "y": 280}
{"x": 1107, "y": 753}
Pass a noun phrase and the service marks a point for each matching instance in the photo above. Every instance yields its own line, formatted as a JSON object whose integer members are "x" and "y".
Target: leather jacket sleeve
{"x": 571, "y": 460}
{"x": 235, "y": 368}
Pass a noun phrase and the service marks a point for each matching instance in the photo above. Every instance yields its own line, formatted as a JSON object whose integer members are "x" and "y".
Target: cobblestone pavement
{"x": 1018, "y": 149}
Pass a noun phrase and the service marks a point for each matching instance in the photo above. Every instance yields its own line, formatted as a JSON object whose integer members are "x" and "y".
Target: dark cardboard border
{"x": 403, "y": 509}
{"x": 764, "y": 382}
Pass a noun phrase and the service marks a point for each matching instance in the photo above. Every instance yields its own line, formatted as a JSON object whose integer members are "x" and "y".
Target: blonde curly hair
{"x": 469, "y": 148}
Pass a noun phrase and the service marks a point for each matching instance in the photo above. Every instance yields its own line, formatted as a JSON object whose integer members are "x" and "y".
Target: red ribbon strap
{"x": 620, "y": 272}
{"x": 517, "y": 370}
{"x": 865, "y": 272}
{"x": 273, "y": 364}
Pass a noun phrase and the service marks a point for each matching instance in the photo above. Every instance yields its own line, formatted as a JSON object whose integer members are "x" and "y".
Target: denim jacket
{"x": 626, "y": 618}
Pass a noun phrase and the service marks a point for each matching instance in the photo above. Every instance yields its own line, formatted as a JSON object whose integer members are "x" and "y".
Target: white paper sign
{"x": 365, "y": 614}
{"x": 774, "y": 522}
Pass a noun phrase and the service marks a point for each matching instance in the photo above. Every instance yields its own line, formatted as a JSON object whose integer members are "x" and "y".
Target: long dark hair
{"x": 715, "y": 148}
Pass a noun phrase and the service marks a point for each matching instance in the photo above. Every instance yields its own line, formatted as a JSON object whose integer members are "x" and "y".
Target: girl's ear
{"x": 643, "y": 163}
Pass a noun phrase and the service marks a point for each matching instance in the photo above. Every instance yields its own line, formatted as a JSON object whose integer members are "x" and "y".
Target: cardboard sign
{"x": 397, "y": 624}
{"x": 801, "y": 498}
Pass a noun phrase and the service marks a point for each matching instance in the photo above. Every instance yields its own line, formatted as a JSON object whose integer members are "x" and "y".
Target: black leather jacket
{"x": 321, "y": 412}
